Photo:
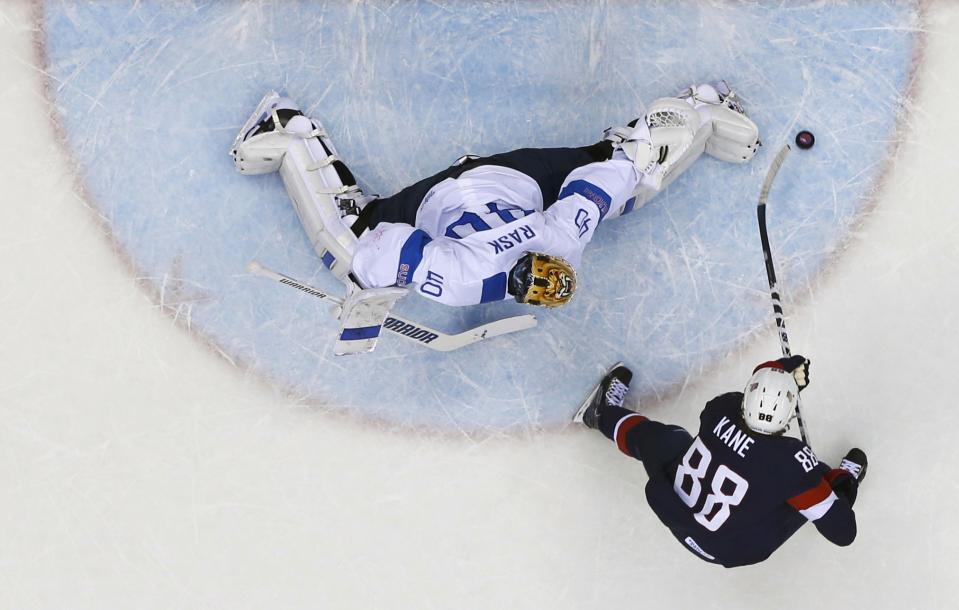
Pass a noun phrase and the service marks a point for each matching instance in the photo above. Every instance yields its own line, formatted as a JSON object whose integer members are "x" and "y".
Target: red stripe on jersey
{"x": 835, "y": 473}
{"x": 622, "y": 429}
{"x": 811, "y": 497}
{"x": 772, "y": 364}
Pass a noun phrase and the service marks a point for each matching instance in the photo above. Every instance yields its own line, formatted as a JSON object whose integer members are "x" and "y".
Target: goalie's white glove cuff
{"x": 640, "y": 152}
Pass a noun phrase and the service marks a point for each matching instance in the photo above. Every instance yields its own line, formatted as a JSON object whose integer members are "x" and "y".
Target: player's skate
{"x": 610, "y": 391}
{"x": 277, "y": 136}
{"x": 677, "y": 130}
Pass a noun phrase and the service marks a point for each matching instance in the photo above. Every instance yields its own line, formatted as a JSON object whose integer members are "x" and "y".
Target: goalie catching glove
{"x": 677, "y": 130}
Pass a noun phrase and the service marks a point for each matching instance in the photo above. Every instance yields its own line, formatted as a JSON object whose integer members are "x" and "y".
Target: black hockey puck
{"x": 805, "y": 140}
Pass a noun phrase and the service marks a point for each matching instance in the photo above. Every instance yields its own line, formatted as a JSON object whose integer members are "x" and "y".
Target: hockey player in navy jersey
{"x": 738, "y": 490}
{"x": 507, "y": 226}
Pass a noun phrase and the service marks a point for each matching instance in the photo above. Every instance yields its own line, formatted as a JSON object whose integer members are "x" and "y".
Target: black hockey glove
{"x": 844, "y": 485}
{"x": 845, "y": 480}
{"x": 799, "y": 367}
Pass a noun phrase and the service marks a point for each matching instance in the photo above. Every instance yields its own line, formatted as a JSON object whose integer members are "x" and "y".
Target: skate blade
{"x": 578, "y": 418}
{"x": 260, "y": 114}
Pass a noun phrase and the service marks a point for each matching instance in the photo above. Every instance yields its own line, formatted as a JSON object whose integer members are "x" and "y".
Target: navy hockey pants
{"x": 549, "y": 167}
{"x": 658, "y": 446}
{"x": 655, "y": 444}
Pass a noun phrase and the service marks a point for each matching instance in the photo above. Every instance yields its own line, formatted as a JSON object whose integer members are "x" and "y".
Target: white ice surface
{"x": 138, "y": 470}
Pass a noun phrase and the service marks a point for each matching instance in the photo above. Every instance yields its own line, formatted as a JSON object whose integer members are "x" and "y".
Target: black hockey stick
{"x": 771, "y": 271}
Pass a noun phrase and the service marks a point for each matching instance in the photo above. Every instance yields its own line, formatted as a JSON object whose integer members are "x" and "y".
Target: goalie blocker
{"x": 412, "y": 331}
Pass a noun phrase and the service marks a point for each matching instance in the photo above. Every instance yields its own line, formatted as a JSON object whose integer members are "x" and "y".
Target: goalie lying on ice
{"x": 511, "y": 225}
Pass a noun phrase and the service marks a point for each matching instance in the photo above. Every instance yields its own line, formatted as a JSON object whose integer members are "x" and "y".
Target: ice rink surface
{"x": 149, "y": 97}
{"x": 171, "y": 430}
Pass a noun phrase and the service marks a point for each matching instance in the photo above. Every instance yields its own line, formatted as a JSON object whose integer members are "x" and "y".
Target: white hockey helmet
{"x": 769, "y": 400}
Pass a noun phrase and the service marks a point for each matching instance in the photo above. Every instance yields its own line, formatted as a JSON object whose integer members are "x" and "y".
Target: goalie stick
{"x": 408, "y": 329}
{"x": 771, "y": 271}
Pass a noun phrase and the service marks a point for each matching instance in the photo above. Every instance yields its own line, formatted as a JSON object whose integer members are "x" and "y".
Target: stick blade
{"x": 486, "y": 331}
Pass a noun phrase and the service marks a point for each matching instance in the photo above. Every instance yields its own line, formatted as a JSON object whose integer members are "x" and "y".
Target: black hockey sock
{"x": 609, "y": 417}
{"x": 363, "y": 221}
{"x": 600, "y": 151}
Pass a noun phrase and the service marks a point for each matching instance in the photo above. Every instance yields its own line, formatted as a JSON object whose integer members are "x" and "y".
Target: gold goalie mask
{"x": 541, "y": 279}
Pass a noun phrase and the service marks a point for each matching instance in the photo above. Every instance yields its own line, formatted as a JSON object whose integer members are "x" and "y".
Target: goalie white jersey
{"x": 471, "y": 230}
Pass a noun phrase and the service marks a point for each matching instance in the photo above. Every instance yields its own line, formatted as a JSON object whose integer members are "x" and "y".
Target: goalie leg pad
{"x": 324, "y": 193}
{"x": 277, "y": 136}
{"x": 735, "y": 138}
